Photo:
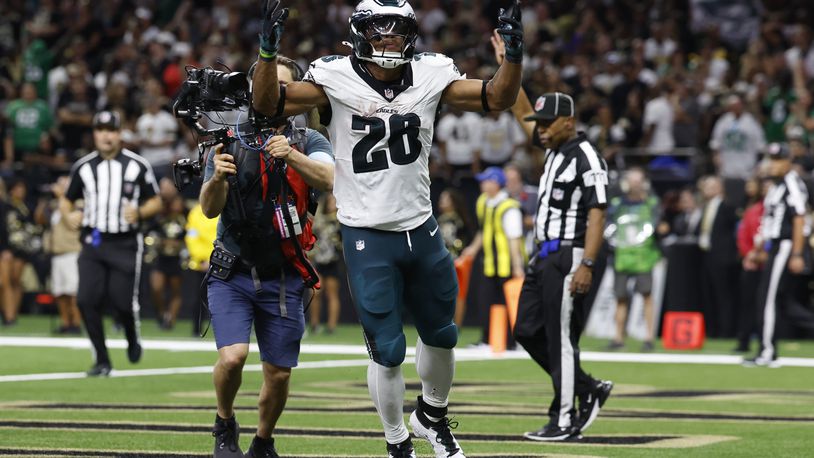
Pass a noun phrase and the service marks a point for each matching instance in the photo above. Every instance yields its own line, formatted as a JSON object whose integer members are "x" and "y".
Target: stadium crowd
{"x": 690, "y": 91}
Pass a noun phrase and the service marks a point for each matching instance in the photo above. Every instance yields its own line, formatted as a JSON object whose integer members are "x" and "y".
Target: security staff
{"x": 119, "y": 191}
{"x": 572, "y": 201}
{"x": 781, "y": 244}
{"x": 500, "y": 239}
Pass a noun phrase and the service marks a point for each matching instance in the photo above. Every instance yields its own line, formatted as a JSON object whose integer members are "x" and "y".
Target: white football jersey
{"x": 382, "y": 135}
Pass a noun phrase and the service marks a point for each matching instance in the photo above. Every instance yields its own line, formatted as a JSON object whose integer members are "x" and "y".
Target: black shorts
{"x": 332, "y": 269}
{"x": 491, "y": 292}
{"x": 168, "y": 265}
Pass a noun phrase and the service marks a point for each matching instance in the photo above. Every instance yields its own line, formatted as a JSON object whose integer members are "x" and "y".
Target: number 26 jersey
{"x": 382, "y": 135}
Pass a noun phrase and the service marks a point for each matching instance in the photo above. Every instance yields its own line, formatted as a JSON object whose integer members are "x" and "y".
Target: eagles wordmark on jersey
{"x": 382, "y": 135}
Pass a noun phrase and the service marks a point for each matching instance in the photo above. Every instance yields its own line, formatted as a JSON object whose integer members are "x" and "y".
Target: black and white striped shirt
{"x": 785, "y": 200}
{"x": 107, "y": 186}
{"x": 575, "y": 179}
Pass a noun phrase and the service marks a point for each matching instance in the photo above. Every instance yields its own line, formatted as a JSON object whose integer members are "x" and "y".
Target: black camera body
{"x": 207, "y": 89}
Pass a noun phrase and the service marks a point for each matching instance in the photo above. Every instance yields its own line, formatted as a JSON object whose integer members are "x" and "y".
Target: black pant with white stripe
{"x": 549, "y": 324}
{"x": 109, "y": 273}
{"x": 780, "y": 290}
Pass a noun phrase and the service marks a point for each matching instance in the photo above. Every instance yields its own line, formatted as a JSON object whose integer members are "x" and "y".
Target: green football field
{"x": 164, "y": 406}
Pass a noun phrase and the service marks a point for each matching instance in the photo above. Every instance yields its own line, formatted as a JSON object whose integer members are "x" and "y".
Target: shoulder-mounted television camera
{"x": 208, "y": 91}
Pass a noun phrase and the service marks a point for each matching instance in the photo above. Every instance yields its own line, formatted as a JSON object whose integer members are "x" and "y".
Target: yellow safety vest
{"x": 496, "y": 254}
{"x": 201, "y": 233}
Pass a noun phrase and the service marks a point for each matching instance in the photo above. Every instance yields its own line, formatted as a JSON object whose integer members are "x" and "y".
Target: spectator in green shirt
{"x": 632, "y": 221}
{"x": 29, "y": 119}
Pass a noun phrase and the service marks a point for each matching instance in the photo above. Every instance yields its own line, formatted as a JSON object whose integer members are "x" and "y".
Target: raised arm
{"x": 500, "y": 92}
{"x": 299, "y": 96}
{"x": 522, "y": 106}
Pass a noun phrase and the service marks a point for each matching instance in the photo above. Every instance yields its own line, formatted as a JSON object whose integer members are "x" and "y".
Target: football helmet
{"x": 374, "y": 19}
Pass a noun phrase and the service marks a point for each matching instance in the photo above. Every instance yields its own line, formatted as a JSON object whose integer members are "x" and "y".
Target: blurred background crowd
{"x": 687, "y": 91}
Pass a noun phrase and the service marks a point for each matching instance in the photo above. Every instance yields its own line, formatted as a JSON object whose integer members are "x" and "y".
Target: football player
{"x": 383, "y": 99}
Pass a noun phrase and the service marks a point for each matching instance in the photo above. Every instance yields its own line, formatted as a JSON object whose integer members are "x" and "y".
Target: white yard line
{"x": 177, "y": 370}
{"x": 463, "y": 354}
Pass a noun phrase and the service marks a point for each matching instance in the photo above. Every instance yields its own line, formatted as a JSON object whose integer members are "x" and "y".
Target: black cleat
{"x": 134, "y": 352}
{"x": 226, "y": 434}
{"x": 99, "y": 370}
{"x": 402, "y": 450}
{"x": 553, "y": 433}
{"x": 590, "y": 404}
{"x": 262, "y": 448}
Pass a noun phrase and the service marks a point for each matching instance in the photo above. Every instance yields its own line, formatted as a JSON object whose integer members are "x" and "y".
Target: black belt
{"x": 264, "y": 272}
{"x": 547, "y": 247}
{"x": 110, "y": 236}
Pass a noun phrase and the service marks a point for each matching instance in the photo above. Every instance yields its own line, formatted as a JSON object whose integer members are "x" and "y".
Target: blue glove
{"x": 511, "y": 30}
{"x": 272, "y": 29}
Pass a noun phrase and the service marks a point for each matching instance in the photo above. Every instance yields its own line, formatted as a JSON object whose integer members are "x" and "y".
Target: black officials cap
{"x": 778, "y": 151}
{"x": 107, "y": 120}
{"x": 551, "y": 106}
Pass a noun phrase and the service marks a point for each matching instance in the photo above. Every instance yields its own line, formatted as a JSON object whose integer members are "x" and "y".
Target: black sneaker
{"x": 226, "y": 434}
{"x": 99, "y": 370}
{"x": 439, "y": 434}
{"x": 648, "y": 346}
{"x": 614, "y": 345}
{"x": 402, "y": 450}
{"x": 553, "y": 433}
{"x": 134, "y": 353}
{"x": 262, "y": 448}
{"x": 590, "y": 404}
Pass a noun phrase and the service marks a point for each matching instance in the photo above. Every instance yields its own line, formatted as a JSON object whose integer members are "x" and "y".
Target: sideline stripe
{"x": 468, "y": 354}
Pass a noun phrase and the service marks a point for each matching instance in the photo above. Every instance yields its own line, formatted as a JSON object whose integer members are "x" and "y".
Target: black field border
{"x": 5, "y": 451}
{"x": 612, "y": 413}
{"x": 340, "y": 433}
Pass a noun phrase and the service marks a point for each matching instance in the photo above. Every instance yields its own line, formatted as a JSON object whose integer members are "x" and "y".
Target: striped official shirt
{"x": 785, "y": 200}
{"x": 107, "y": 186}
{"x": 575, "y": 179}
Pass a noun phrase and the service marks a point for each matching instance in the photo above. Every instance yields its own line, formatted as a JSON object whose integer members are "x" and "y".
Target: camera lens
{"x": 230, "y": 83}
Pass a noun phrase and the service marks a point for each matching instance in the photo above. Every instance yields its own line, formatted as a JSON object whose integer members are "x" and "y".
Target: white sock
{"x": 386, "y": 386}
{"x": 436, "y": 368}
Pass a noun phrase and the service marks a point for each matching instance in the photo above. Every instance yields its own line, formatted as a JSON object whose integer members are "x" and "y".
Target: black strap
{"x": 314, "y": 277}
{"x": 484, "y": 101}
{"x": 204, "y": 304}
{"x": 280, "y": 102}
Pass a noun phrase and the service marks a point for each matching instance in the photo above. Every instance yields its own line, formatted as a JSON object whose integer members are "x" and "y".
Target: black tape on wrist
{"x": 280, "y": 102}
{"x": 515, "y": 57}
{"x": 484, "y": 101}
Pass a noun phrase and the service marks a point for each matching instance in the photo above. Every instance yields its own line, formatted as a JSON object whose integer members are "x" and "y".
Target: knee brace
{"x": 388, "y": 351}
{"x": 445, "y": 337}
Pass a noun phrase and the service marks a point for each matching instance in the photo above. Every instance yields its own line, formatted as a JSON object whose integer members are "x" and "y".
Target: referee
{"x": 119, "y": 191}
{"x": 569, "y": 224}
{"x": 782, "y": 246}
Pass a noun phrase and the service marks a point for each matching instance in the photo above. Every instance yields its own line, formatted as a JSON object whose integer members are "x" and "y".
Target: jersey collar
{"x": 389, "y": 90}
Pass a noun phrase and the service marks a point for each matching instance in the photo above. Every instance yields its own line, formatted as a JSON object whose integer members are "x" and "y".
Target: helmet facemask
{"x": 388, "y": 40}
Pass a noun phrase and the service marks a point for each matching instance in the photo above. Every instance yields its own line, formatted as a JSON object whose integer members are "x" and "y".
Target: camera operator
{"x": 258, "y": 271}
{"x": 120, "y": 191}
